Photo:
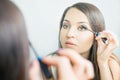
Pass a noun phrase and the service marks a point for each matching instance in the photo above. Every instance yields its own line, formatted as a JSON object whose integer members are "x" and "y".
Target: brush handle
{"x": 44, "y": 68}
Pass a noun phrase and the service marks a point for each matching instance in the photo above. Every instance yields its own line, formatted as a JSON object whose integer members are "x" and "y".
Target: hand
{"x": 34, "y": 71}
{"x": 70, "y": 65}
{"x": 105, "y": 49}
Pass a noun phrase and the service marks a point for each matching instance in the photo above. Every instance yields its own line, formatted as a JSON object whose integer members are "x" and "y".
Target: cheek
{"x": 86, "y": 41}
{"x": 62, "y": 37}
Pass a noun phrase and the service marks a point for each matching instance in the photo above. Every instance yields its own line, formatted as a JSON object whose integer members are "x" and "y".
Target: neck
{"x": 85, "y": 54}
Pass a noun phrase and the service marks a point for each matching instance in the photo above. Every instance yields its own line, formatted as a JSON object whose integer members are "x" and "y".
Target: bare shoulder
{"x": 114, "y": 65}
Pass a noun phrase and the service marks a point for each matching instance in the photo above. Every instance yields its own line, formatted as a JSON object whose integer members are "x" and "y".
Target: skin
{"x": 107, "y": 62}
{"x": 75, "y": 66}
{"x": 69, "y": 62}
{"x": 73, "y": 40}
{"x": 72, "y": 36}
{"x": 34, "y": 71}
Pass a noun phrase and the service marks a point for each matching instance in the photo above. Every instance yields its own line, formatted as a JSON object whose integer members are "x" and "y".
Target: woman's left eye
{"x": 81, "y": 28}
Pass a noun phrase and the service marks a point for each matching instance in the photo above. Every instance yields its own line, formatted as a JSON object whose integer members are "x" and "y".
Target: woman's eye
{"x": 81, "y": 28}
{"x": 65, "y": 26}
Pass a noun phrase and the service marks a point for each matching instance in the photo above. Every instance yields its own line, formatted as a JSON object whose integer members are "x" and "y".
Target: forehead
{"x": 75, "y": 15}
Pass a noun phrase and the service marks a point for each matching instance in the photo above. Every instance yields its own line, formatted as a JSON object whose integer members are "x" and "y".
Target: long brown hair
{"x": 13, "y": 43}
{"x": 97, "y": 24}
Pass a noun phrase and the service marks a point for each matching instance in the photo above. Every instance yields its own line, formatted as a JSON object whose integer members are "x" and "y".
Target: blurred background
{"x": 43, "y": 16}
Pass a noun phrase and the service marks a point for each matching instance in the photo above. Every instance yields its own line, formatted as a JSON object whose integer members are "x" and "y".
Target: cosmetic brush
{"x": 43, "y": 66}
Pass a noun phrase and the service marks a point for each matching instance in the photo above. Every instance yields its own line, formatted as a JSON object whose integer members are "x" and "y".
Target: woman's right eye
{"x": 65, "y": 26}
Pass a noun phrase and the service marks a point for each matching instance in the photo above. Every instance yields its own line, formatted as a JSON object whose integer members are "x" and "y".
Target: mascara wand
{"x": 96, "y": 34}
{"x": 44, "y": 67}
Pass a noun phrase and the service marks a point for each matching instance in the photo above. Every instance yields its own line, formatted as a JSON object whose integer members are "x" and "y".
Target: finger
{"x": 80, "y": 64}
{"x": 34, "y": 71}
{"x": 74, "y": 57}
{"x": 104, "y": 37}
{"x": 101, "y": 44}
{"x": 89, "y": 70}
{"x": 63, "y": 66}
{"x": 112, "y": 43}
{"x": 34, "y": 66}
{"x": 110, "y": 37}
{"x": 114, "y": 40}
{"x": 55, "y": 60}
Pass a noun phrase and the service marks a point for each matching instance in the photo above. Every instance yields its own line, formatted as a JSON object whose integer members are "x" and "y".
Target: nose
{"x": 71, "y": 33}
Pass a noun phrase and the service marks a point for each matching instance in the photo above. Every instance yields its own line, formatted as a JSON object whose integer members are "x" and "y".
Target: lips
{"x": 68, "y": 43}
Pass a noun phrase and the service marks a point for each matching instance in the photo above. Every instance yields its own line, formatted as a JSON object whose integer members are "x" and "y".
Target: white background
{"x": 43, "y": 17}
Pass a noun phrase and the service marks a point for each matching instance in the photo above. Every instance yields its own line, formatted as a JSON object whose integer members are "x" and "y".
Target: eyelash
{"x": 65, "y": 26}
{"x": 80, "y": 28}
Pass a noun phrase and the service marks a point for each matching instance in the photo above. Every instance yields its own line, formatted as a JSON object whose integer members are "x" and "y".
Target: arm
{"x": 104, "y": 54}
{"x": 115, "y": 67}
{"x": 111, "y": 70}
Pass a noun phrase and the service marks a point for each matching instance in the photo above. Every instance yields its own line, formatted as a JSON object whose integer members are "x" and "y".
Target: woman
{"x": 82, "y": 28}
{"x": 14, "y": 52}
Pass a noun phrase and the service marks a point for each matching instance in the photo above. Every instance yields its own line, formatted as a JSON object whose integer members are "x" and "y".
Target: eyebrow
{"x": 83, "y": 22}
{"x": 77, "y": 22}
{"x": 66, "y": 20}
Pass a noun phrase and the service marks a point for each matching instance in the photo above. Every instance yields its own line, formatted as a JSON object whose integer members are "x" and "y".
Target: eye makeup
{"x": 95, "y": 33}
{"x": 43, "y": 66}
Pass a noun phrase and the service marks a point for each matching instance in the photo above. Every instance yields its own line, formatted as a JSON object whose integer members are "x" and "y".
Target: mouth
{"x": 69, "y": 44}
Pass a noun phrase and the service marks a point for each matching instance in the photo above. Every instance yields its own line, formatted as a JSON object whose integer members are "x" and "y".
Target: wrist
{"x": 102, "y": 62}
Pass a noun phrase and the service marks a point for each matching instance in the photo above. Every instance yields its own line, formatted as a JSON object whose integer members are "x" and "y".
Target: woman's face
{"x": 74, "y": 34}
